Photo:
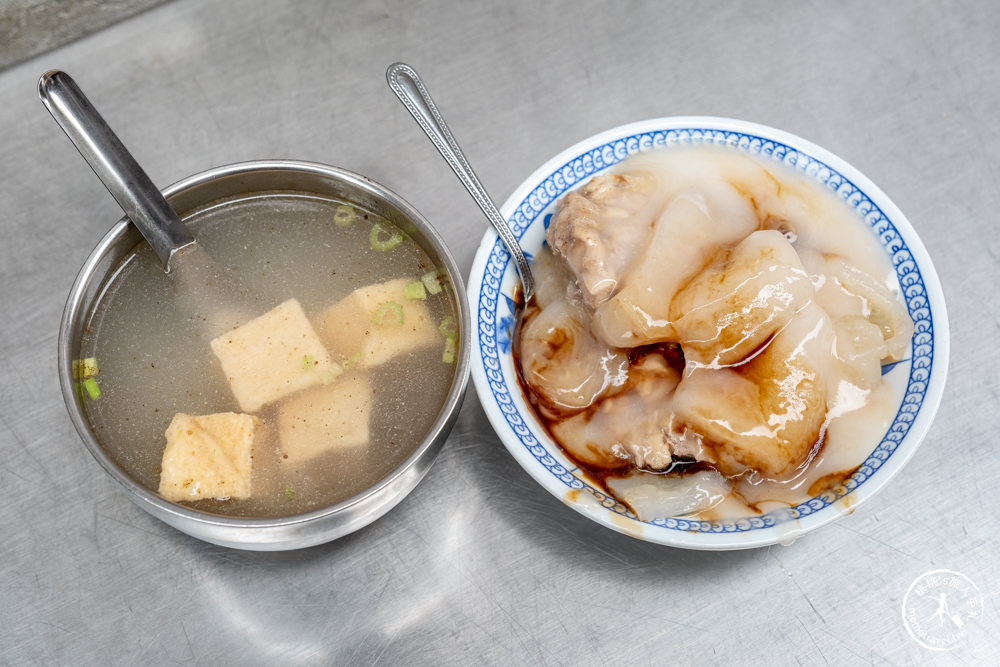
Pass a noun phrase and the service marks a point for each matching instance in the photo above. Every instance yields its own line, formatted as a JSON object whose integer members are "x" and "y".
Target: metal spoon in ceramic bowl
{"x": 411, "y": 91}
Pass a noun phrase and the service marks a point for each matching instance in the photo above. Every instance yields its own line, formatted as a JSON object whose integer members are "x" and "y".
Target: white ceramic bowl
{"x": 492, "y": 284}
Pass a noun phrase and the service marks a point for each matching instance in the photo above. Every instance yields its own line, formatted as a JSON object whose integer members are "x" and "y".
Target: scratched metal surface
{"x": 480, "y": 564}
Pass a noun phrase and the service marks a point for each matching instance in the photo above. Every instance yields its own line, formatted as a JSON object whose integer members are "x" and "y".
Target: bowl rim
{"x": 492, "y": 274}
{"x": 197, "y": 522}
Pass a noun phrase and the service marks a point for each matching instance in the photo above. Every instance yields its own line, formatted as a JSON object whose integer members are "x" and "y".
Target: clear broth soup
{"x": 154, "y": 360}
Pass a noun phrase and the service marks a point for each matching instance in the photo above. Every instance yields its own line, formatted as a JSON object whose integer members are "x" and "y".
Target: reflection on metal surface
{"x": 437, "y": 586}
{"x": 256, "y": 622}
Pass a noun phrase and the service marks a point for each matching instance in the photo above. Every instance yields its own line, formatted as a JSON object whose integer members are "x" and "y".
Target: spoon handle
{"x": 141, "y": 200}
{"x": 410, "y": 90}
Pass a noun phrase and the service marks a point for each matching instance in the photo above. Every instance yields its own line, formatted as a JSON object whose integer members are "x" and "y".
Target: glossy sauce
{"x": 845, "y": 267}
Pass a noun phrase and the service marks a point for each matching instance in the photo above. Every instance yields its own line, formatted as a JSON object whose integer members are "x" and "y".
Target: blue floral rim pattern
{"x": 495, "y": 328}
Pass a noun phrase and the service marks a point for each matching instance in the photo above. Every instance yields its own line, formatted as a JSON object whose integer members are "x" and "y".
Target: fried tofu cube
{"x": 208, "y": 456}
{"x": 376, "y": 322}
{"x": 325, "y": 418}
{"x": 273, "y": 356}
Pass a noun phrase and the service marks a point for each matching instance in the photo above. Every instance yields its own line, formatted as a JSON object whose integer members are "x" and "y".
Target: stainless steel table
{"x": 479, "y": 564}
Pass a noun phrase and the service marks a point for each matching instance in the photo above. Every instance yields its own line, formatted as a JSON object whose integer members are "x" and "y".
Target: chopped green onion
{"x": 289, "y": 493}
{"x": 450, "y": 348}
{"x": 308, "y": 361}
{"x": 389, "y": 308}
{"x": 344, "y": 215}
{"x": 84, "y": 368}
{"x": 448, "y": 327}
{"x": 394, "y": 237}
{"x": 352, "y": 360}
{"x": 415, "y": 290}
{"x": 432, "y": 281}
{"x": 90, "y": 385}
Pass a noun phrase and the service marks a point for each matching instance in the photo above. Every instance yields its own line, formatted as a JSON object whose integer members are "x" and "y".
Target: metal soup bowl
{"x": 310, "y": 528}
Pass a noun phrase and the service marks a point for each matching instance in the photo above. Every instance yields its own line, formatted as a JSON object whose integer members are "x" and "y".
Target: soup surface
{"x": 709, "y": 332}
{"x": 188, "y": 342}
